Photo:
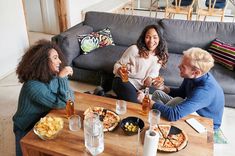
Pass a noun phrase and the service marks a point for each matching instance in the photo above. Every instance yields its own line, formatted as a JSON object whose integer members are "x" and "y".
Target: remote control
{"x": 196, "y": 125}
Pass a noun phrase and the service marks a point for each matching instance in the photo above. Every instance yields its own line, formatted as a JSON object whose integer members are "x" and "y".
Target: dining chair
{"x": 233, "y": 3}
{"x": 129, "y": 6}
{"x": 177, "y": 7}
{"x": 211, "y": 10}
{"x": 154, "y": 4}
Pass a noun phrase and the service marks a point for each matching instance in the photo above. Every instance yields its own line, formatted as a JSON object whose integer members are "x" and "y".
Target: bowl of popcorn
{"x": 48, "y": 127}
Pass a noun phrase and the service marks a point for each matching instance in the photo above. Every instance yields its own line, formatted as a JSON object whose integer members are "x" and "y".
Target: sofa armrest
{"x": 68, "y": 41}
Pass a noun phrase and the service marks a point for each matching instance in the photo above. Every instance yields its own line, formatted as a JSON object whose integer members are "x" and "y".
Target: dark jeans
{"x": 218, "y": 3}
{"x": 184, "y": 2}
{"x": 19, "y": 134}
{"x": 124, "y": 90}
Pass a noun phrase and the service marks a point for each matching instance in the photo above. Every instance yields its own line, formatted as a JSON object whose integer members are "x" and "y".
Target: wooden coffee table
{"x": 116, "y": 142}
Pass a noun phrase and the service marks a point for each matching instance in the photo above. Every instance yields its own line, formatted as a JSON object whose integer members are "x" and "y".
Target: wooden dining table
{"x": 116, "y": 142}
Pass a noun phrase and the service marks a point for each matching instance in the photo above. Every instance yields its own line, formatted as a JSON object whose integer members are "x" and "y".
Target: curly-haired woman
{"x": 44, "y": 75}
{"x": 143, "y": 62}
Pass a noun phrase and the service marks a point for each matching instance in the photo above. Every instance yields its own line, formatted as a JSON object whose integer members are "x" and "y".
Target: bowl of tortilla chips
{"x": 48, "y": 127}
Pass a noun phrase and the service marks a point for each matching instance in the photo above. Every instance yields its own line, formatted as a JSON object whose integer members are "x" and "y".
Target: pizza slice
{"x": 161, "y": 142}
{"x": 179, "y": 140}
{"x": 169, "y": 146}
{"x": 172, "y": 139}
{"x": 109, "y": 118}
{"x": 97, "y": 110}
{"x": 163, "y": 130}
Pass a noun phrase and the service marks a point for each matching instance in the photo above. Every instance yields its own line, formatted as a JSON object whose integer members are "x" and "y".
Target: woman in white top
{"x": 143, "y": 61}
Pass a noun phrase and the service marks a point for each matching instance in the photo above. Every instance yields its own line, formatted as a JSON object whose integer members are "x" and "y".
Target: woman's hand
{"x": 121, "y": 72}
{"x": 158, "y": 83}
{"x": 140, "y": 96}
{"x": 66, "y": 71}
{"x": 148, "y": 82}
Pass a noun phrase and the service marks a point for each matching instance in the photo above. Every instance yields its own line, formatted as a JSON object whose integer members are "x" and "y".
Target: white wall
{"x": 14, "y": 38}
{"x": 74, "y": 10}
{"x": 231, "y": 8}
{"x": 144, "y": 4}
{"x": 50, "y": 17}
{"x": 41, "y": 16}
{"x": 34, "y": 15}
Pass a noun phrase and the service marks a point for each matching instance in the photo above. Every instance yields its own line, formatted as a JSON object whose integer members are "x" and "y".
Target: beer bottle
{"x": 125, "y": 72}
{"x": 69, "y": 105}
{"x": 146, "y": 102}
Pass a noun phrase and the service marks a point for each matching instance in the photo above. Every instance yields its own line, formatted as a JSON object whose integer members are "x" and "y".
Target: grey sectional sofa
{"x": 96, "y": 67}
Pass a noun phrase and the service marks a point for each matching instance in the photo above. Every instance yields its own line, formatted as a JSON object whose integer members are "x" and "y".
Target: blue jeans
{"x": 162, "y": 97}
{"x": 124, "y": 90}
{"x": 19, "y": 134}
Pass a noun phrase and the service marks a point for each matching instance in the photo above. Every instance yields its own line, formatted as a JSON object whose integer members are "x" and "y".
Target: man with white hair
{"x": 199, "y": 91}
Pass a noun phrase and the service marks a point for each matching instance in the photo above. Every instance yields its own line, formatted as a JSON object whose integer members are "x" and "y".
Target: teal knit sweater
{"x": 36, "y": 99}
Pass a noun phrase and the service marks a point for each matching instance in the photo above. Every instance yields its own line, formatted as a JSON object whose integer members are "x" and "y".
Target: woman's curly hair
{"x": 35, "y": 63}
{"x": 161, "y": 51}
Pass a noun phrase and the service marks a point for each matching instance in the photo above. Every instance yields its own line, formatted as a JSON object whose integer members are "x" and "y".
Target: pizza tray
{"x": 172, "y": 138}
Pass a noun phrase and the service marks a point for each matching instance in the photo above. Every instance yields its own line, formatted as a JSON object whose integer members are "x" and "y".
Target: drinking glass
{"x": 154, "y": 118}
{"x": 125, "y": 71}
{"x": 120, "y": 107}
{"x": 159, "y": 80}
{"x": 74, "y": 122}
{"x": 93, "y": 133}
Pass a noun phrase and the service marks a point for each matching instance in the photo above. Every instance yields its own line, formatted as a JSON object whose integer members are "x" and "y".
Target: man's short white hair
{"x": 200, "y": 59}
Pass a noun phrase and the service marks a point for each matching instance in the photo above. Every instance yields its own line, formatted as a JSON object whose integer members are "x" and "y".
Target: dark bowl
{"x": 131, "y": 124}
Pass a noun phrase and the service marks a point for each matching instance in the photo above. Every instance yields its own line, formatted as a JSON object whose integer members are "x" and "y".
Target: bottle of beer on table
{"x": 146, "y": 102}
{"x": 69, "y": 105}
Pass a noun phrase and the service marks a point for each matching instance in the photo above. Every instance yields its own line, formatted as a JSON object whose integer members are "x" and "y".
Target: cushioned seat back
{"x": 215, "y": 3}
{"x": 125, "y": 29}
{"x": 181, "y": 35}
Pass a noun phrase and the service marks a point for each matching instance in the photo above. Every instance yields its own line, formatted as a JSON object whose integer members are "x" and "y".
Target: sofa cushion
{"x": 125, "y": 29}
{"x": 218, "y": 3}
{"x": 68, "y": 43}
{"x": 171, "y": 72}
{"x": 89, "y": 42}
{"x": 223, "y": 53}
{"x": 182, "y": 35}
{"x": 183, "y": 2}
{"x": 101, "y": 59}
{"x": 226, "y": 78}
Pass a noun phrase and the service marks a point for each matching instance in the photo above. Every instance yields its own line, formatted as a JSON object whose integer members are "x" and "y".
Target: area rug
{"x": 219, "y": 137}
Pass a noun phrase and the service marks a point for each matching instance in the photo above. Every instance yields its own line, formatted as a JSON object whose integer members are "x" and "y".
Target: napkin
{"x": 150, "y": 143}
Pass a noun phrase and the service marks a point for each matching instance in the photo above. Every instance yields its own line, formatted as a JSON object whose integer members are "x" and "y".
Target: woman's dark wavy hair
{"x": 161, "y": 51}
{"x": 35, "y": 63}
